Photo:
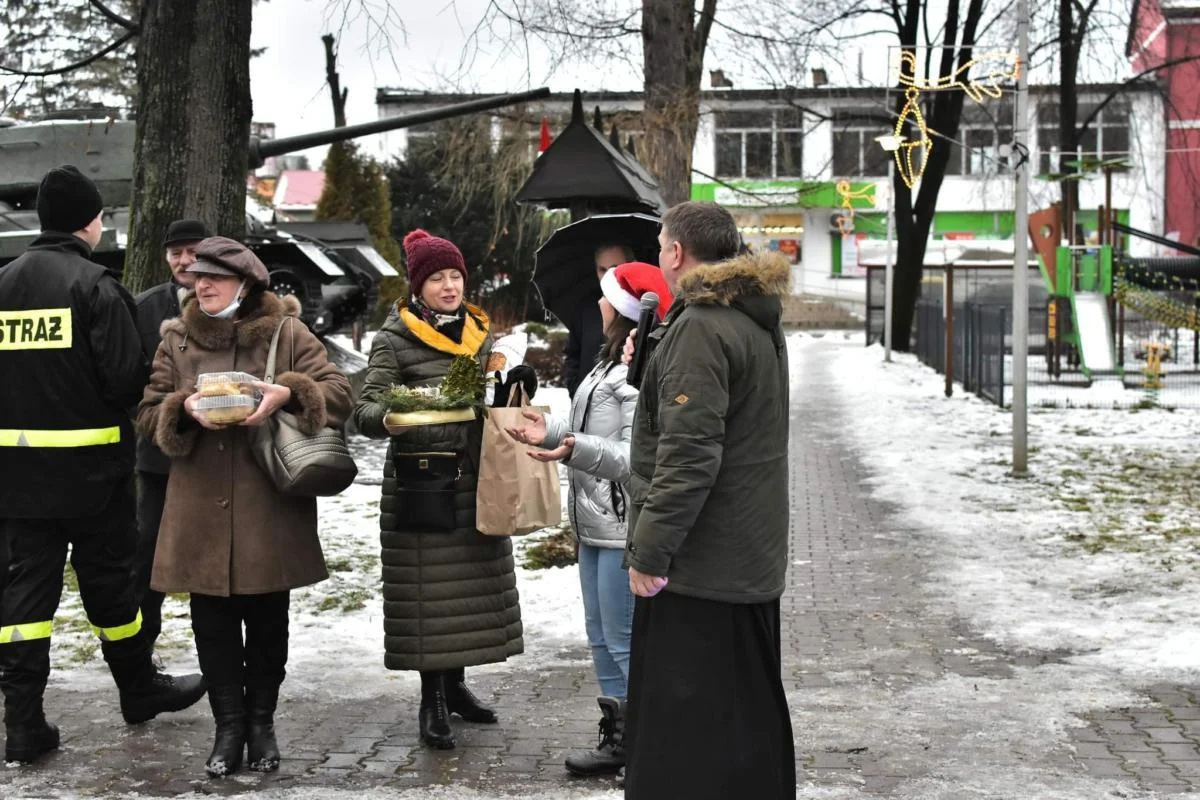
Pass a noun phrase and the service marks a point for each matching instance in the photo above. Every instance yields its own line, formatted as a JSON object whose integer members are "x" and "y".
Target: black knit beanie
{"x": 67, "y": 200}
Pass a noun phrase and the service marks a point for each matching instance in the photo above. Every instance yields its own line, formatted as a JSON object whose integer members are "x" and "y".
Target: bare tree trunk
{"x": 915, "y": 219}
{"x": 673, "y": 43}
{"x": 193, "y": 126}
{"x": 335, "y": 83}
{"x": 1068, "y": 112}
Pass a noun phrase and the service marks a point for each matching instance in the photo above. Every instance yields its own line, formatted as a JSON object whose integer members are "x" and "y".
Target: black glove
{"x": 519, "y": 374}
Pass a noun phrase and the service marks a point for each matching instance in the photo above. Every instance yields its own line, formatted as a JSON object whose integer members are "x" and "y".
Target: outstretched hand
{"x": 534, "y": 433}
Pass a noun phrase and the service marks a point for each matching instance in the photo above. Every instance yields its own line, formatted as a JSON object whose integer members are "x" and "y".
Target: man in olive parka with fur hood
{"x": 708, "y": 525}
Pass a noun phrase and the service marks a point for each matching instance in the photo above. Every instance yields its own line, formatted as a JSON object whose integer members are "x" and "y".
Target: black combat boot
{"x": 434, "y": 716}
{"x": 609, "y": 755}
{"x": 462, "y": 701}
{"x": 262, "y": 751}
{"x": 229, "y": 711}
{"x": 26, "y": 741}
{"x": 146, "y": 692}
{"x": 160, "y": 694}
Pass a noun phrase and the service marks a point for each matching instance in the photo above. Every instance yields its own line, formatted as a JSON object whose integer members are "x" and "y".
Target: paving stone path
{"x": 891, "y": 695}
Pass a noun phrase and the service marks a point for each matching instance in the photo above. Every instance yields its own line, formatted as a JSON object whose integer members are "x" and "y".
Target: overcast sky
{"x": 435, "y": 48}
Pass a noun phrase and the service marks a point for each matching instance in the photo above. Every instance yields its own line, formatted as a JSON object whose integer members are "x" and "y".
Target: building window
{"x": 763, "y": 143}
{"x": 856, "y": 154}
{"x": 1106, "y": 137}
{"x": 984, "y": 128}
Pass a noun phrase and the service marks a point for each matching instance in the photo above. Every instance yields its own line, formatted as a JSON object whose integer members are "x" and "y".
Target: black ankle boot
{"x": 262, "y": 751}
{"x": 462, "y": 701}
{"x": 25, "y": 742}
{"x": 229, "y": 711}
{"x": 434, "y": 717}
{"x": 609, "y": 755}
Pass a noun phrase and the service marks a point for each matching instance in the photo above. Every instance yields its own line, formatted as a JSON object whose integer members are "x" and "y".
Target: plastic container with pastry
{"x": 226, "y": 397}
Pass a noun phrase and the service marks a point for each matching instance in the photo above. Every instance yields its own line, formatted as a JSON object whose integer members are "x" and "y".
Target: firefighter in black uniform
{"x": 154, "y": 306}
{"x": 72, "y": 366}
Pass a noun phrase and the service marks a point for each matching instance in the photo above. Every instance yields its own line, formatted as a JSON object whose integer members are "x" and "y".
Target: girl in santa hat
{"x": 594, "y": 443}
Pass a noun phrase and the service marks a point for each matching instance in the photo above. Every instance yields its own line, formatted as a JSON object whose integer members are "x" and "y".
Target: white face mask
{"x": 234, "y": 304}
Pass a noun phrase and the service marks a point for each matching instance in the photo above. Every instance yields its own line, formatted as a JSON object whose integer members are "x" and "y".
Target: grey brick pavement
{"x": 891, "y": 696}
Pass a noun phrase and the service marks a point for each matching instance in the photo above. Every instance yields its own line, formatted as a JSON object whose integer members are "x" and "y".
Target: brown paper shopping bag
{"x": 516, "y": 494}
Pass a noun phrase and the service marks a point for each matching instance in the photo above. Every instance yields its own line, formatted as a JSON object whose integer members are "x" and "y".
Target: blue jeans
{"x": 608, "y": 614}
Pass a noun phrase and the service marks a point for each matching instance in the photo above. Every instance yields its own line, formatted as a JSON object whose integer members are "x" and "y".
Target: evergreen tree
{"x": 356, "y": 190}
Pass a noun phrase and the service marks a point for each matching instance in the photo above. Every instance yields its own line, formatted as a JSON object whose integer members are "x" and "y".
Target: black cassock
{"x": 707, "y": 717}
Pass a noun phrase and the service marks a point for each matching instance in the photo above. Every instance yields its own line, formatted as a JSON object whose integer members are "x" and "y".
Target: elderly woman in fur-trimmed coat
{"x": 449, "y": 593}
{"x": 228, "y": 536}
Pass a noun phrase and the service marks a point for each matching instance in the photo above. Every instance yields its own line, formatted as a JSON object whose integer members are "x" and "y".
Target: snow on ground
{"x": 1095, "y": 553}
{"x": 336, "y": 626}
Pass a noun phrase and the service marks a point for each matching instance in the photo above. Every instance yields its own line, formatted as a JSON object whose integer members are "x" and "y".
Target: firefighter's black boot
{"x": 229, "y": 712}
{"x": 146, "y": 692}
{"x": 434, "y": 717}
{"x": 25, "y": 742}
{"x": 462, "y": 701}
{"x": 262, "y": 751}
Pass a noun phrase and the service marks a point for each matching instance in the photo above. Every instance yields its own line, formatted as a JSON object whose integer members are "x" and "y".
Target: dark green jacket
{"x": 449, "y": 597}
{"x": 709, "y": 456}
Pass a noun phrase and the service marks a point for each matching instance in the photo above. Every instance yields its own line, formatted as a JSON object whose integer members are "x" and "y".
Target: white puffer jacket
{"x": 602, "y": 423}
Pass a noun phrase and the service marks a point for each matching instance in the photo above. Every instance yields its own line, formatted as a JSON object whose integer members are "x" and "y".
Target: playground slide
{"x": 1095, "y": 332}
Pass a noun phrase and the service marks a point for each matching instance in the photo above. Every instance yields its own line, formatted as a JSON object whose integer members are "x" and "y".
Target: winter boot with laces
{"x": 229, "y": 711}
{"x": 609, "y": 756}
{"x": 462, "y": 701}
{"x": 146, "y": 692}
{"x": 262, "y": 751}
{"x": 434, "y": 716}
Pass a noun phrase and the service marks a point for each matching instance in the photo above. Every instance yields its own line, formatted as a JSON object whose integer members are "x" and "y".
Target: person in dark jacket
{"x": 708, "y": 525}
{"x": 70, "y": 355}
{"x": 449, "y": 595}
{"x": 155, "y": 306}
{"x": 586, "y": 332}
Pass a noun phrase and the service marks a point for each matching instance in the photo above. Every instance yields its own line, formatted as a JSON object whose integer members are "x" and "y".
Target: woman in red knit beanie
{"x": 450, "y": 593}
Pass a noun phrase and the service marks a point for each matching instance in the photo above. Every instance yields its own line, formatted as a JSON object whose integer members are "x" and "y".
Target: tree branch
{"x": 1087, "y": 122}
{"x": 115, "y": 18}
{"x": 70, "y": 67}
{"x": 707, "y": 13}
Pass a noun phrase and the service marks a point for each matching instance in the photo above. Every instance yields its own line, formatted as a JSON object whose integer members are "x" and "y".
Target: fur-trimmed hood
{"x": 753, "y": 283}
{"x": 261, "y": 318}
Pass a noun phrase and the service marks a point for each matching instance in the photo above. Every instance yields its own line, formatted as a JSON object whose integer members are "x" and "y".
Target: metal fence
{"x": 981, "y": 336}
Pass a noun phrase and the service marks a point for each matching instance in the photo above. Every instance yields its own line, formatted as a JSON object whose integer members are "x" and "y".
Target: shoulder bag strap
{"x": 269, "y": 377}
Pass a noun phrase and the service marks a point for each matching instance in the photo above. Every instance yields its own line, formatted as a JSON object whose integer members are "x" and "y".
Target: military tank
{"x": 330, "y": 267}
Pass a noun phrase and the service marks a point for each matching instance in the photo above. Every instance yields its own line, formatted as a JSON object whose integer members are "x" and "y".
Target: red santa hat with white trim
{"x": 624, "y": 286}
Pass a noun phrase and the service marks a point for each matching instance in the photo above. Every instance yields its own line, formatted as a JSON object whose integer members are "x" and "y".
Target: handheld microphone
{"x": 647, "y": 322}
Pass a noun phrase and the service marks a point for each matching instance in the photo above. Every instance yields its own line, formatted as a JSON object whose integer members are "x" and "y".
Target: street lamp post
{"x": 891, "y": 144}
{"x": 1020, "y": 321}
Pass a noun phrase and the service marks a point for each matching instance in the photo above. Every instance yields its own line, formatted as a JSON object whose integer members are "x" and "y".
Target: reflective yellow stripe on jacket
{"x": 26, "y": 631}
{"x": 119, "y": 632}
{"x": 82, "y": 437}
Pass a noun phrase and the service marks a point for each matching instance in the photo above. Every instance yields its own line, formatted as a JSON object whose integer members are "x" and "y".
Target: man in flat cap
{"x": 154, "y": 306}
{"x": 73, "y": 365}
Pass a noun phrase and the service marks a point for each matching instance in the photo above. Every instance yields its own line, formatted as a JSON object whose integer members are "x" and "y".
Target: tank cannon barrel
{"x": 262, "y": 149}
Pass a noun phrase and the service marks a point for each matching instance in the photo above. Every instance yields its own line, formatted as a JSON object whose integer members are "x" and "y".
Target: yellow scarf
{"x": 475, "y": 332}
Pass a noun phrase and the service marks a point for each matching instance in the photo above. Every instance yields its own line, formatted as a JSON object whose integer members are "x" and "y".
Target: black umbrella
{"x": 565, "y": 267}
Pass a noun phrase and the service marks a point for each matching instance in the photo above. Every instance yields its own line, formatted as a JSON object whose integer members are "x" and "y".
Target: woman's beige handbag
{"x": 310, "y": 466}
{"x": 516, "y": 494}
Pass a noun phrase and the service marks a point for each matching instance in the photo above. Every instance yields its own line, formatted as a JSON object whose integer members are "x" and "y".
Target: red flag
{"x": 544, "y": 143}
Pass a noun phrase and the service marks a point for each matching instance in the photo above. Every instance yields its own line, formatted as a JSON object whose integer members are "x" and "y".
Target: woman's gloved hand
{"x": 522, "y": 374}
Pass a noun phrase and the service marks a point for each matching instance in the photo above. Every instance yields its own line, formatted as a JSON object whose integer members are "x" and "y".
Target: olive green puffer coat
{"x": 449, "y": 597}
